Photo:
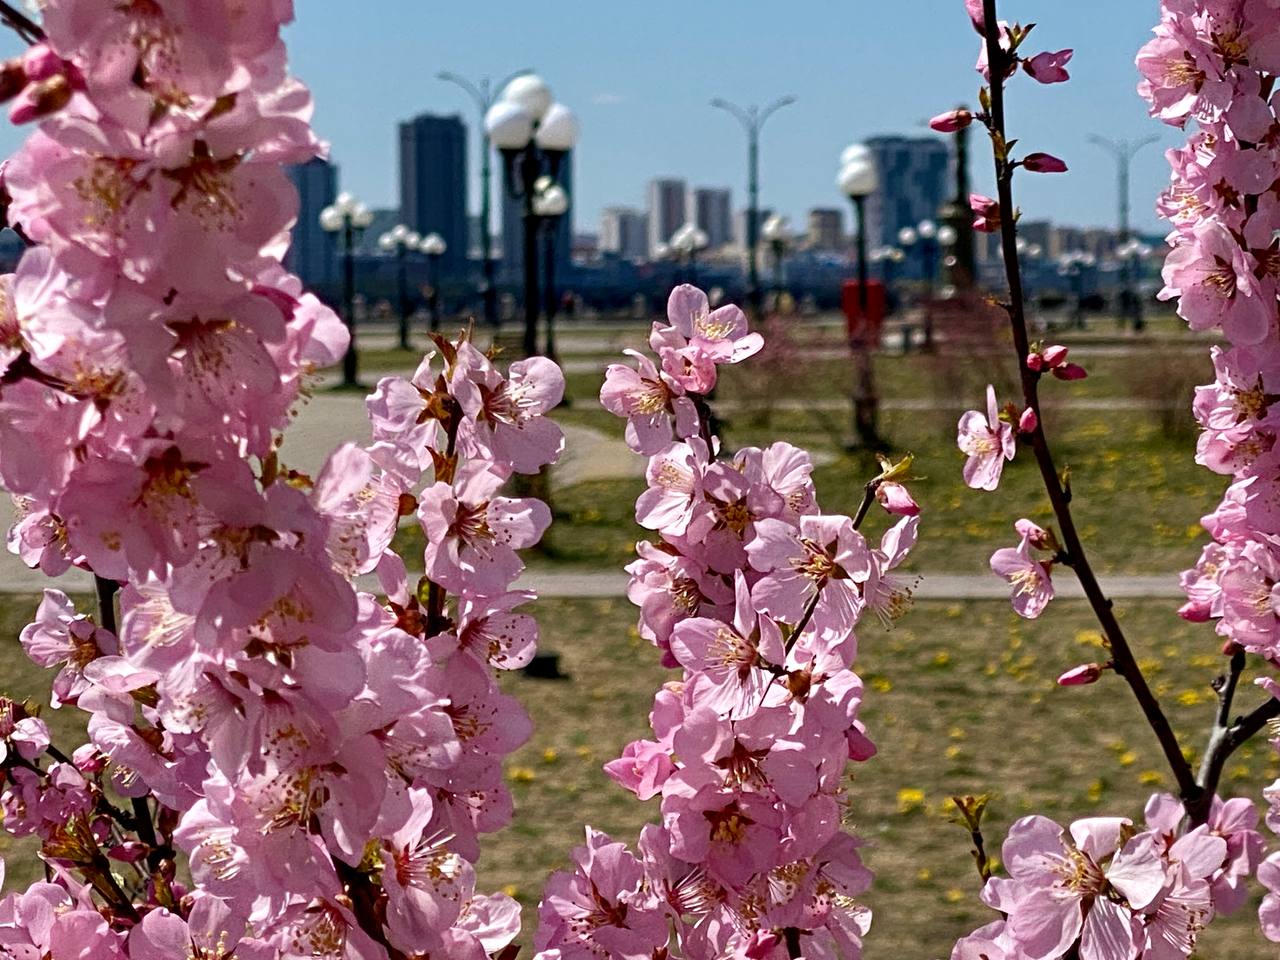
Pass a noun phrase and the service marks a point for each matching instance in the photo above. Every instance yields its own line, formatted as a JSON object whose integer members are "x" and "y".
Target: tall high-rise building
{"x": 433, "y": 183}
{"x": 668, "y": 209}
{"x": 624, "y": 231}
{"x": 513, "y": 230}
{"x": 914, "y": 184}
{"x": 712, "y": 211}
{"x": 825, "y": 229}
{"x": 311, "y": 254}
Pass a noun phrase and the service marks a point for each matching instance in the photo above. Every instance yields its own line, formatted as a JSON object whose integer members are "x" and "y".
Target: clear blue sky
{"x": 640, "y": 76}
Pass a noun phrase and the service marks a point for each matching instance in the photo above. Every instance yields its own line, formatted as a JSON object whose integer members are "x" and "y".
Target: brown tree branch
{"x": 1122, "y": 655}
{"x": 20, "y": 23}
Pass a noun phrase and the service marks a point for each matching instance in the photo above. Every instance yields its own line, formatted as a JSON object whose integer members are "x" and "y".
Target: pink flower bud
{"x": 1043, "y": 163}
{"x": 88, "y": 759}
{"x": 41, "y": 99}
{"x": 1081, "y": 675}
{"x": 895, "y": 498}
{"x": 951, "y": 121}
{"x": 131, "y": 851}
{"x": 1035, "y": 361}
{"x": 1054, "y": 355}
{"x": 986, "y": 213}
{"x": 41, "y": 63}
{"x": 1070, "y": 371}
{"x": 1196, "y": 611}
{"x": 1028, "y": 422}
{"x": 1049, "y": 67}
{"x": 1035, "y": 534}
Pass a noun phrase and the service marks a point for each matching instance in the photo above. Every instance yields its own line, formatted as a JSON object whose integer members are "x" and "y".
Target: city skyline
{"x": 641, "y": 82}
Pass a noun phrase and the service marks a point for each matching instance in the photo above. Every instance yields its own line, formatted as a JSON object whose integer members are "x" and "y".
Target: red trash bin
{"x": 863, "y": 329}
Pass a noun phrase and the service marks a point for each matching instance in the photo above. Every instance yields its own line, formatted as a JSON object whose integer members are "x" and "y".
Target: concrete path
{"x": 594, "y": 583}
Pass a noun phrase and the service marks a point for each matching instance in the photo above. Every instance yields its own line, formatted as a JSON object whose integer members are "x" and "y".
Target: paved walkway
{"x": 592, "y": 583}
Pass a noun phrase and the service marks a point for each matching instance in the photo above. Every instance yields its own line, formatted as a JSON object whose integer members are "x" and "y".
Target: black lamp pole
{"x": 350, "y": 359}
{"x": 752, "y": 119}
{"x": 484, "y": 93}
{"x": 402, "y": 289}
{"x": 433, "y": 295}
{"x": 866, "y": 405}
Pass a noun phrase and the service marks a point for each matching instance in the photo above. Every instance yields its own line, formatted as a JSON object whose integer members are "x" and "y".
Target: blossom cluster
{"x": 324, "y": 760}
{"x": 1117, "y": 891}
{"x": 754, "y": 595}
{"x": 1214, "y": 63}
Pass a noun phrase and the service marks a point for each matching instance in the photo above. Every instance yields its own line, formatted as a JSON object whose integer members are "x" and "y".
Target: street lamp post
{"x": 483, "y": 93}
{"x": 858, "y": 179}
{"x": 888, "y": 258}
{"x": 777, "y": 233}
{"x": 752, "y": 119}
{"x": 687, "y": 242}
{"x": 1072, "y": 265}
{"x": 434, "y": 247}
{"x": 400, "y": 240}
{"x": 347, "y": 217}
{"x": 550, "y": 203}
{"x": 1132, "y": 253}
{"x": 533, "y": 135}
{"x": 1122, "y": 151}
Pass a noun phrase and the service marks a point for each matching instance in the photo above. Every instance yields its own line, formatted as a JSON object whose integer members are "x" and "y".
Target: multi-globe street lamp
{"x": 550, "y": 203}
{"x": 752, "y": 119}
{"x": 533, "y": 135}
{"x": 401, "y": 241}
{"x": 777, "y": 233}
{"x": 434, "y": 247}
{"x": 347, "y": 217}
{"x": 888, "y": 258}
{"x": 857, "y": 180}
{"x": 484, "y": 93}
{"x": 929, "y": 239}
{"x": 1132, "y": 253}
{"x": 1073, "y": 265}
{"x": 686, "y": 243}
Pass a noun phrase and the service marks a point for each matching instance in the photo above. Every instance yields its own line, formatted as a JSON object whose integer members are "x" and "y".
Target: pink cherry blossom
{"x": 987, "y": 442}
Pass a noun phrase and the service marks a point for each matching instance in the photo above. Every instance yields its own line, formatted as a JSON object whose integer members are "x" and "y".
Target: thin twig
{"x": 1226, "y": 737}
{"x": 868, "y": 496}
{"x": 20, "y": 23}
{"x": 792, "y": 936}
{"x": 1125, "y": 662}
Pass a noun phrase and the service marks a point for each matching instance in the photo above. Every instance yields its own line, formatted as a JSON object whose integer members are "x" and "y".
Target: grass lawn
{"x": 960, "y": 699}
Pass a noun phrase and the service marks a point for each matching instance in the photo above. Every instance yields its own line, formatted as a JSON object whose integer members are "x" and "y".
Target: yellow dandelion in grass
{"x": 991, "y": 669}
{"x": 1094, "y": 791}
{"x": 954, "y": 611}
{"x": 941, "y": 658}
{"x": 954, "y": 752}
{"x": 1240, "y": 772}
{"x": 953, "y": 895}
{"x": 1204, "y": 661}
{"x": 521, "y": 775}
{"x": 881, "y": 684}
{"x": 1172, "y": 652}
{"x": 583, "y": 752}
{"x": 910, "y": 800}
{"x": 1127, "y": 759}
{"x": 1194, "y": 530}
{"x": 511, "y": 890}
{"x": 956, "y": 733}
{"x": 1190, "y": 698}
{"x": 550, "y": 755}
{"x": 1088, "y": 638}
{"x": 1150, "y": 665}
{"x": 1150, "y": 778}
{"x": 924, "y": 874}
